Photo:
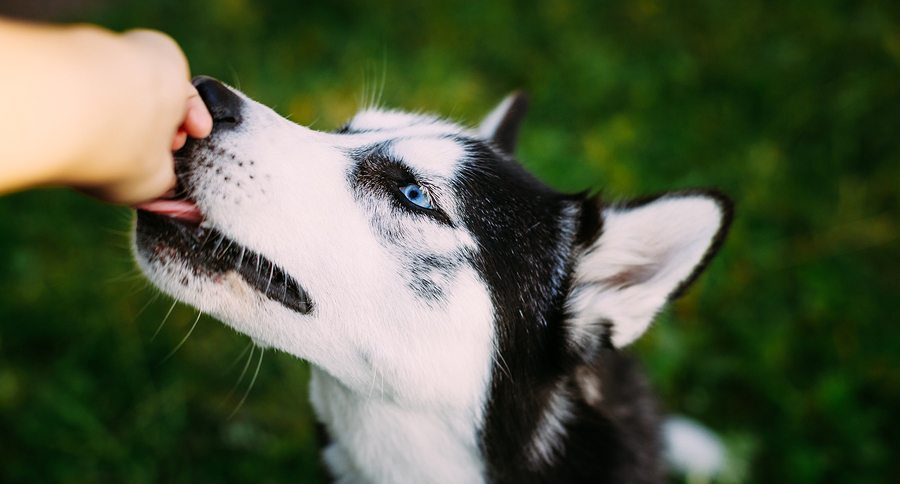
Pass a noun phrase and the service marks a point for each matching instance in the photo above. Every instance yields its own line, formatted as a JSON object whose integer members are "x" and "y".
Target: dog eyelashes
{"x": 411, "y": 193}
{"x": 378, "y": 173}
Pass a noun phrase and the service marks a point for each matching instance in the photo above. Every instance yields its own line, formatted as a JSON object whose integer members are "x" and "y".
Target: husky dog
{"x": 464, "y": 321}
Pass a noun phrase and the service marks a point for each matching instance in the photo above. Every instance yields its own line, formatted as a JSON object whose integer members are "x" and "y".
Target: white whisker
{"x": 218, "y": 244}
{"x": 238, "y": 358}
{"x": 145, "y": 306}
{"x": 240, "y": 261}
{"x": 252, "y": 382}
{"x": 206, "y": 239}
{"x": 243, "y": 373}
{"x": 188, "y": 335}
{"x": 271, "y": 273}
{"x": 165, "y": 318}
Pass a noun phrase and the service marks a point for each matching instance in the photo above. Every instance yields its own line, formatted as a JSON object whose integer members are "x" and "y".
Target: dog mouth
{"x": 175, "y": 230}
{"x": 183, "y": 209}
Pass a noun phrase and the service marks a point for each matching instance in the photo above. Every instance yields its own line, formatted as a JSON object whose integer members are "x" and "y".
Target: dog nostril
{"x": 223, "y": 104}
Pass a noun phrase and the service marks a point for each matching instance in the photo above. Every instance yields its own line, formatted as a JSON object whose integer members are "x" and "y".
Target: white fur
{"x": 387, "y": 441}
{"x": 432, "y": 155}
{"x": 494, "y": 119}
{"x": 376, "y": 123}
{"x": 392, "y": 120}
{"x": 640, "y": 258}
{"x": 693, "y": 449}
{"x": 547, "y": 442}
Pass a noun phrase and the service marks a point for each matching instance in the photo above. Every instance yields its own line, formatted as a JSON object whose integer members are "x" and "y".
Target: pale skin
{"x": 91, "y": 109}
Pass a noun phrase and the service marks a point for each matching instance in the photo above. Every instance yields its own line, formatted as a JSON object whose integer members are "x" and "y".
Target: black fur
{"x": 376, "y": 173}
{"x": 506, "y": 134}
{"x": 517, "y": 221}
{"x": 429, "y": 274}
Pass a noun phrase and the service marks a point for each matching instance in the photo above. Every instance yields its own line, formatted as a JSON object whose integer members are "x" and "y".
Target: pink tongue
{"x": 181, "y": 209}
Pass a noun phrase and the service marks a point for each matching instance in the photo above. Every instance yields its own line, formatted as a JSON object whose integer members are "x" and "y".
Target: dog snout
{"x": 223, "y": 104}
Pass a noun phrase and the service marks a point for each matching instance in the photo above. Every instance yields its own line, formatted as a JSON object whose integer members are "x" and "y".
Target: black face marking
{"x": 429, "y": 275}
{"x": 427, "y": 289}
{"x": 506, "y": 134}
{"x": 529, "y": 236}
{"x": 377, "y": 174}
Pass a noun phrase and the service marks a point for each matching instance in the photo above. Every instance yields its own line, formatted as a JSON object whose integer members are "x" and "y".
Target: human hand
{"x": 156, "y": 109}
{"x": 94, "y": 110}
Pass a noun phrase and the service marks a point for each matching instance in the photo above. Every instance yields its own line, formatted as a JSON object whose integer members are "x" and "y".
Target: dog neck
{"x": 374, "y": 439}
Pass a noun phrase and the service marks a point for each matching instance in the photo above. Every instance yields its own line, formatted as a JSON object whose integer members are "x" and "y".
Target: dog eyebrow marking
{"x": 436, "y": 155}
{"x": 377, "y": 170}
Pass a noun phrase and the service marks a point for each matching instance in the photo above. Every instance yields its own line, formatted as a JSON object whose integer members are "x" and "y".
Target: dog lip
{"x": 180, "y": 209}
{"x": 209, "y": 252}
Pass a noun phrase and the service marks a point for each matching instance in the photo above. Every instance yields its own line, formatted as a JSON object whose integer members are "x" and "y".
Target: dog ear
{"x": 646, "y": 254}
{"x": 502, "y": 124}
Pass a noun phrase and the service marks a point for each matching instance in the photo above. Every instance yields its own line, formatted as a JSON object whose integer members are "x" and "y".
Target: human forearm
{"x": 52, "y": 95}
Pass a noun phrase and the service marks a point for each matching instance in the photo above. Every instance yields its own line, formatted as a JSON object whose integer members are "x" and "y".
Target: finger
{"x": 197, "y": 122}
{"x": 157, "y": 184}
{"x": 180, "y": 139}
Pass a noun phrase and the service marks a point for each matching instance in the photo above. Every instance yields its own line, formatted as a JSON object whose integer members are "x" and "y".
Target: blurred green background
{"x": 788, "y": 347}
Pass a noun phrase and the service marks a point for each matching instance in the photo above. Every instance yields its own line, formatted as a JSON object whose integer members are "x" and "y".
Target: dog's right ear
{"x": 502, "y": 124}
{"x": 636, "y": 257}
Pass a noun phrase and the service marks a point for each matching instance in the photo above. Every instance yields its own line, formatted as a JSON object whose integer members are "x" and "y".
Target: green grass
{"x": 788, "y": 346}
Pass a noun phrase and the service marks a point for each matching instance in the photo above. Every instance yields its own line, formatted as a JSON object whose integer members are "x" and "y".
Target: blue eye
{"x": 415, "y": 194}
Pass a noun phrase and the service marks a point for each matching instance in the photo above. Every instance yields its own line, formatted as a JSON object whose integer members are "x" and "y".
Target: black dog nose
{"x": 223, "y": 104}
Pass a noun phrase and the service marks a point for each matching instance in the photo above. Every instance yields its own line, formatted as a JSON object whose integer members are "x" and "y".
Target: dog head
{"x": 410, "y": 249}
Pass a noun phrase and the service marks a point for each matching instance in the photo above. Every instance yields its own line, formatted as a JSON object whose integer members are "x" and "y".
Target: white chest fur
{"x": 378, "y": 441}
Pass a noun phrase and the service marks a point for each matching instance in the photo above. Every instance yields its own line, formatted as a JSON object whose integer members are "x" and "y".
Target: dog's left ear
{"x": 645, "y": 255}
{"x": 502, "y": 124}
